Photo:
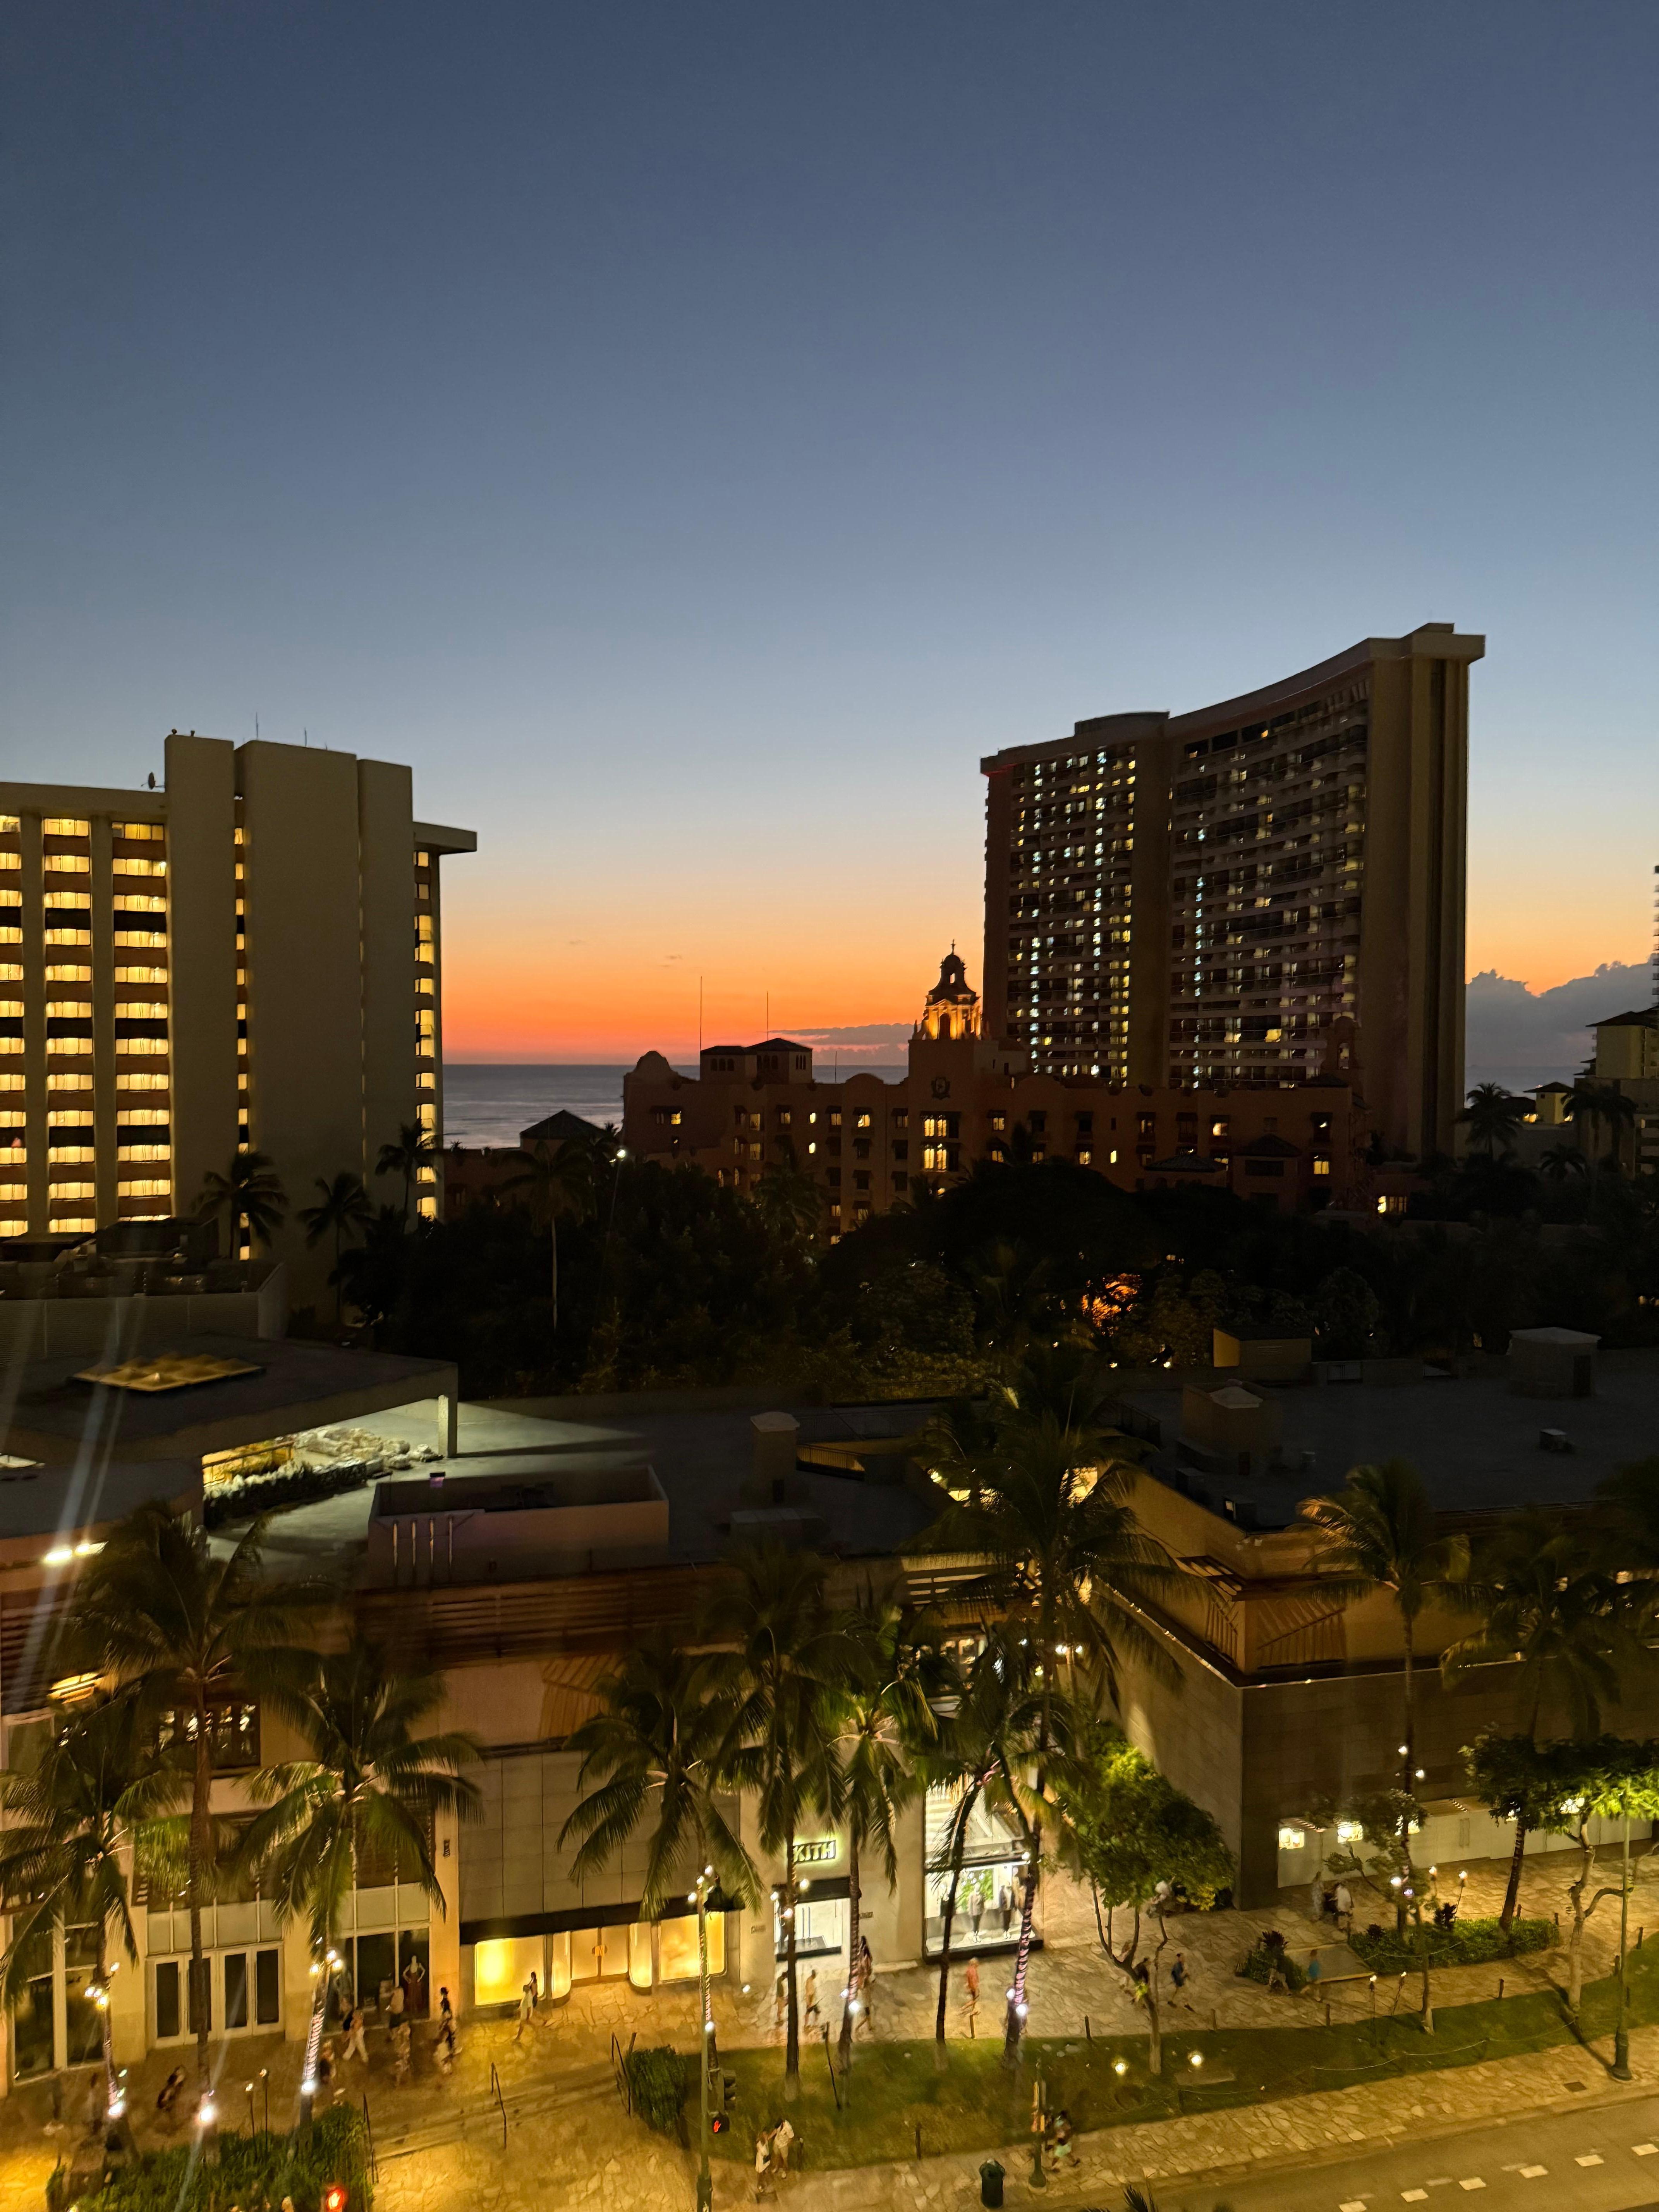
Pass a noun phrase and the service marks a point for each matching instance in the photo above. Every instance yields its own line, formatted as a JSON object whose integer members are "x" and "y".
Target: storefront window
{"x": 639, "y": 1955}
{"x": 676, "y": 1946}
{"x": 502, "y": 1966}
{"x": 820, "y": 1928}
{"x": 31, "y": 2031}
{"x": 987, "y": 1904}
{"x": 558, "y": 1964}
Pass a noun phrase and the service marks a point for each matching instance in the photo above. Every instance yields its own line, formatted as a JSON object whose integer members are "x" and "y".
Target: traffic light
{"x": 334, "y": 2197}
{"x": 717, "y": 2124}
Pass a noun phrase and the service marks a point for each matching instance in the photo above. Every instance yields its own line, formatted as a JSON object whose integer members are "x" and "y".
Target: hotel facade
{"x": 1209, "y": 900}
{"x": 867, "y": 1144}
{"x": 249, "y": 957}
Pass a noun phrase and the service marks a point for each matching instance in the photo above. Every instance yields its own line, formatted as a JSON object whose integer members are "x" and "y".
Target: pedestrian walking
{"x": 356, "y": 2025}
{"x": 402, "y": 2052}
{"x": 1344, "y": 1907}
{"x": 396, "y": 2007}
{"x": 970, "y": 1986}
{"x": 763, "y": 2165}
{"x": 782, "y": 2136}
{"x": 811, "y": 1995}
{"x": 1311, "y": 1974}
{"x": 1178, "y": 1976}
{"x": 526, "y": 2012}
{"x": 781, "y": 1996}
{"x": 535, "y": 1992}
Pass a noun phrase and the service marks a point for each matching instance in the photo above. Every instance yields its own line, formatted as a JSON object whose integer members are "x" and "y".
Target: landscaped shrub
{"x": 272, "y": 1493}
{"x": 660, "y": 2080}
{"x": 1465, "y": 1943}
{"x": 1268, "y": 1954}
{"x": 263, "y": 2170}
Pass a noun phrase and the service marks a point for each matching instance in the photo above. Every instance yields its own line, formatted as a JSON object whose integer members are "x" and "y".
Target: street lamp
{"x": 1621, "y": 2032}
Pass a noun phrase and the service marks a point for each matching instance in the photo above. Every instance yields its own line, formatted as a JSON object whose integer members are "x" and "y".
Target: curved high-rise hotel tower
{"x": 1249, "y": 894}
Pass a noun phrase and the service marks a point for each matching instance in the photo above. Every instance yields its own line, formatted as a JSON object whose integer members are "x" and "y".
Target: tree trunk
{"x": 1408, "y": 1777}
{"x": 1512, "y": 1892}
{"x": 1423, "y": 1961}
{"x": 706, "y": 2054}
{"x": 1576, "y": 1941}
{"x": 314, "y": 2042}
{"x": 1022, "y": 1957}
{"x": 791, "y": 2038}
{"x": 200, "y": 1816}
{"x": 852, "y": 1898}
{"x": 553, "y": 1237}
{"x": 950, "y": 1914}
{"x": 104, "y": 2097}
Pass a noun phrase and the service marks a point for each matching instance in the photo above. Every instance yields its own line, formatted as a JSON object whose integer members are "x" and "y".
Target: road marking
{"x": 1643, "y": 2150}
{"x": 1413, "y": 2196}
{"x": 1474, "y": 2182}
{"x": 1589, "y": 2158}
{"x": 1532, "y": 2173}
{"x": 1353, "y": 2204}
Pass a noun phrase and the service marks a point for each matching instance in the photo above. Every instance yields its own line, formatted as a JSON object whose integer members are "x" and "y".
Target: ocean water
{"x": 486, "y": 1104}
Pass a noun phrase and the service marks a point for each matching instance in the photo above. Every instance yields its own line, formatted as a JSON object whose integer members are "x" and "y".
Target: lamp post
{"x": 700, "y": 1899}
{"x": 1621, "y": 2032}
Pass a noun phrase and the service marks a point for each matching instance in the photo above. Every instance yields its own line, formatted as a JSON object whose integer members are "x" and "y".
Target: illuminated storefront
{"x": 647, "y": 1954}
{"x": 987, "y": 1905}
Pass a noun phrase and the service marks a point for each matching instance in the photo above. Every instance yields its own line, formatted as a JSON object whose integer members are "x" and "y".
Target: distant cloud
{"x": 1512, "y": 1034}
{"x": 1521, "y": 1037}
{"x": 883, "y": 1040}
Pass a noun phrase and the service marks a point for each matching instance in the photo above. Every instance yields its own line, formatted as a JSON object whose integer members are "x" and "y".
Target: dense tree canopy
{"x": 668, "y": 1278}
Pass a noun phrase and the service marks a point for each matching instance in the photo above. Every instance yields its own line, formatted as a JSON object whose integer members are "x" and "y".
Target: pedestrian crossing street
{"x": 1423, "y": 2193}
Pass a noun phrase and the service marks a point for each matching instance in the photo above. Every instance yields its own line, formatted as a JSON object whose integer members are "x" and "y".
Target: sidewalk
{"x": 1216, "y": 2148}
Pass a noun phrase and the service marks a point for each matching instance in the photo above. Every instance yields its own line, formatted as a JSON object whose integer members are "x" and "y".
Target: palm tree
{"x": 882, "y": 1719}
{"x": 371, "y": 1787}
{"x": 249, "y": 1194}
{"x": 1560, "y": 1162}
{"x": 788, "y": 1197}
{"x": 1493, "y": 1117}
{"x": 1380, "y": 1535}
{"x": 1039, "y": 1488}
{"x": 184, "y": 1633}
{"x": 1601, "y": 1106}
{"x": 65, "y": 1861}
{"x": 1564, "y": 1618}
{"x": 412, "y": 1150}
{"x": 783, "y": 1660}
{"x": 562, "y": 1182}
{"x": 985, "y": 1722}
{"x": 653, "y": 1755}
{"x": 342, "y": 1210}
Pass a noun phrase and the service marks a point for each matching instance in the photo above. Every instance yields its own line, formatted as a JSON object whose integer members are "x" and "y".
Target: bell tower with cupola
{"x": 948, "y": 1046}
{"x": 952, "y": 1008}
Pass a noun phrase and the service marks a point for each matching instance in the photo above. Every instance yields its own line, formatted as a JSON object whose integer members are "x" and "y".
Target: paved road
{"x": 1605, "y": 2161}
